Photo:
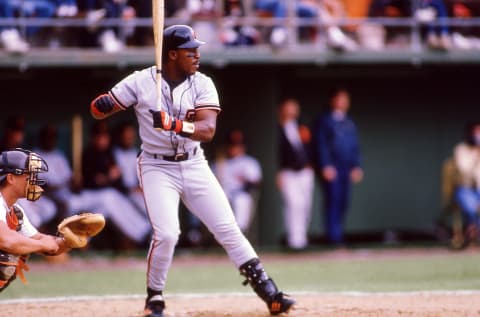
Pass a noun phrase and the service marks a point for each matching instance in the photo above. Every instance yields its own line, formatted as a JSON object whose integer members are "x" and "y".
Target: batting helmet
{"x": 179, "y": 36}
{"x": 19, "y": 161}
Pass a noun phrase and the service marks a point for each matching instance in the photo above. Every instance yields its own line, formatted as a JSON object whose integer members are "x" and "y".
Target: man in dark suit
{"x": 337, "y": 162}
{"x": 295, "y": 177}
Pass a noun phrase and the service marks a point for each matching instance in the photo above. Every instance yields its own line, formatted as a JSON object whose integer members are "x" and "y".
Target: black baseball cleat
{"x": 277, "y": 302}
{"x": 154, "y": 307}
{"x": 280, "y": 304}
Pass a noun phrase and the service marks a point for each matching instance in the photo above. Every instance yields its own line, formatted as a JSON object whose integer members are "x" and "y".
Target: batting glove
{"x": 164, "y": 121}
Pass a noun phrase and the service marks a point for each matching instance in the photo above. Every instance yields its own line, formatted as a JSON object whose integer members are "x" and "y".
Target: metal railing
{"x": 291, "y": 24}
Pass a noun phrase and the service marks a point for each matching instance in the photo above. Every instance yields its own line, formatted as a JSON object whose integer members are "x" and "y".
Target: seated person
{"x": 240, "y": 175}
{"x": 235, "y": 33}
{"x": 327, "y": 11}
{"x": 25, "y": 9}
{"x": 108, "y": 37}
{"x": 100, "y": 199}
{"x": 125, "y": 153}
{"x": 467, "y": 162}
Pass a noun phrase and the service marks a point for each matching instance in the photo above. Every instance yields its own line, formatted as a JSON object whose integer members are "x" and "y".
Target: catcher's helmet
{"x": 179, "y": 36}
{"x": 20, "y": 161}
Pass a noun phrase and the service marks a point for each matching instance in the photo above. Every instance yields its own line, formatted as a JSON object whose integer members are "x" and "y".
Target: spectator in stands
{"x": 111, "y": 39}
{"x": 10, "y": 37}
{"x": 143, "y": 8}
{"x": 295, "y": 177}
{"x": 337, "y": 161}
{"x": 466, "y": 156}
{"x": 425, "y": 11}
{"x": 201, "y": 15}
{"x": 336, "y": 38}
{"x": 465, "y": 37}
{"x": 438, "y": 37}
{"x": 125, "y": 154}
{"x": 235, "y": 33}
{"x": 240, "y": 175}
{"x": 331, "y": 11}
{"x": 395, "y": 35}
{"x": 279, "y": 9}
{"x": 66, "y": 8}
{"x": 33, "y": 9}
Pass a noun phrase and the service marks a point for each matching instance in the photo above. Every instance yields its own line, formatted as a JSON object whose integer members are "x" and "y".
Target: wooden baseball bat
{"x": 158, "y": 24}
{"x": 77, "y": 147}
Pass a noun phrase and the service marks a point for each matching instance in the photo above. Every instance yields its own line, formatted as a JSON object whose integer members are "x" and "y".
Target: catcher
{"x": 19, "y": 178}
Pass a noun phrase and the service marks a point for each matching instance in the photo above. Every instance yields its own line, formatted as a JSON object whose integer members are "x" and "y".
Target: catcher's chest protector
{"x": 15, "y": 218}
{"x": 9, "y": 262}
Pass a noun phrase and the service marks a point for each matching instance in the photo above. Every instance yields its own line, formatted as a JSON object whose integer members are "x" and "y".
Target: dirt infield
{"x": 414, "y": 304}
{"x": 331, "y": 305}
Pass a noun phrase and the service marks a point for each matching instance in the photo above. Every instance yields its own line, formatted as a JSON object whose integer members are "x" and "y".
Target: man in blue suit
{"x": 337, "y": 161}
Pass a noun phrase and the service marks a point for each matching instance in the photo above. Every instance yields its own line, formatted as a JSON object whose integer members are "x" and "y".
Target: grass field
{"x": 359, "y": 270}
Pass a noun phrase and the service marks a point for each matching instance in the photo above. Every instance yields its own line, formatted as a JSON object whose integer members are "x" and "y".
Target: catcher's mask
{"x": 20, "y": 161}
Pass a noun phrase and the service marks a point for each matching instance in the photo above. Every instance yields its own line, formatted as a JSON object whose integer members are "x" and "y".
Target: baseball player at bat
{"x": 172, "y": 165}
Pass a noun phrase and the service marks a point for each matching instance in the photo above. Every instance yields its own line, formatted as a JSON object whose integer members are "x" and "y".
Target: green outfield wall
{"x": 409, "y": 119}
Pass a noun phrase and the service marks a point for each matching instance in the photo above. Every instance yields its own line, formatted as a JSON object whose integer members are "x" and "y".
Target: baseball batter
{"x": 172, "y": 166}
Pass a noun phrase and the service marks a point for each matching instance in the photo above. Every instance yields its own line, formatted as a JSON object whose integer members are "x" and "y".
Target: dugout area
{"x": 409, "y": 118}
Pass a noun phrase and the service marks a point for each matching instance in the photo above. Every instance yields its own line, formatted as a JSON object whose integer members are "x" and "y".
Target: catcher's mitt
{"x": 76, "y": 229}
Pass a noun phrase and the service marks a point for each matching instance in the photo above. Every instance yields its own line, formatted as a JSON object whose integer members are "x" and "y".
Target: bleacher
{"x": 296, "y": 50}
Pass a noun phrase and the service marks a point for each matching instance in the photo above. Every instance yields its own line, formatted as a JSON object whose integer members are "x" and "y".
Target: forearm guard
{"x": 104, "y": 106}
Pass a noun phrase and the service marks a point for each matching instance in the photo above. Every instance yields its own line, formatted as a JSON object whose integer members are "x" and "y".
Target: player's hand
{"x": 50, "y": 245}
{"x": 104, "y": 103}
{"x": 329, "y": 173}
{"x": 356, "y": 175}
{"x": 164, "y": 121}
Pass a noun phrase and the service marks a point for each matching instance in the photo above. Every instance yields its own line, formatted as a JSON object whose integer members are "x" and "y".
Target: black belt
{"x": 174, "y": 158}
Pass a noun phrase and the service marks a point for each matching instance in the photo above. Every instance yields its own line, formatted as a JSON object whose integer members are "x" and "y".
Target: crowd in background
{"x": 230, "y": 23}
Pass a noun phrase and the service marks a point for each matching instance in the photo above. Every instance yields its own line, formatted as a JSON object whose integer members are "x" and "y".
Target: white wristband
{"x": 188, "y": 128}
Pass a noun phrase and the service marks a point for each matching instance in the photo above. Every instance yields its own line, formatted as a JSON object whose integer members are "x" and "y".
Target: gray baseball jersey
{"x": 139, "y": 91}
{"x": 165, "y": 182}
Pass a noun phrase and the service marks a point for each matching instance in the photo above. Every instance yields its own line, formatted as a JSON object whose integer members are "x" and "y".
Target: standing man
{"x": 172, "y": 165}
{"x": 295, "y": 177}
{"x": 337, "y": 161}
{"x": 19, "y": 178}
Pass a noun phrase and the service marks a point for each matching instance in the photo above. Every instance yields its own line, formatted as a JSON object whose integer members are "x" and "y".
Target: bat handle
{"x": 158, "y": 78}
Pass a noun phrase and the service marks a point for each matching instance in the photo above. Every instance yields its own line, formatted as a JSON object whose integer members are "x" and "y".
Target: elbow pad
{"x": 103, "y": 106}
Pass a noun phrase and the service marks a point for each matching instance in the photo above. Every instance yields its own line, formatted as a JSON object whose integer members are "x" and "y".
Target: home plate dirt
{"x": 417, "y": 304}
